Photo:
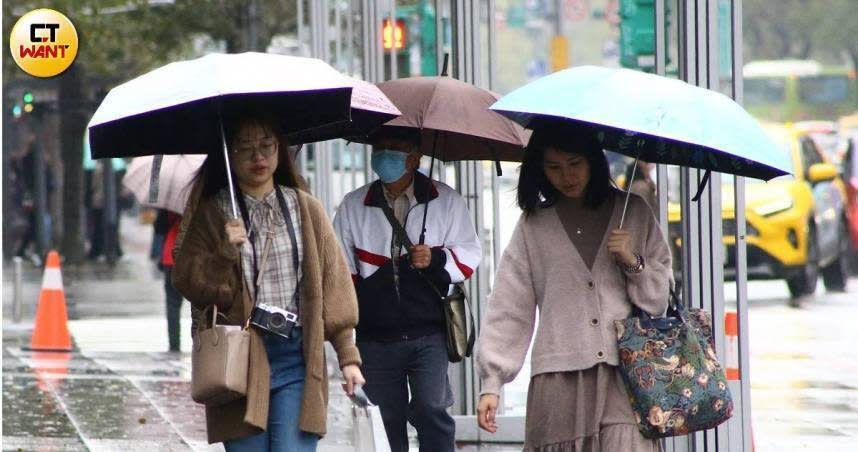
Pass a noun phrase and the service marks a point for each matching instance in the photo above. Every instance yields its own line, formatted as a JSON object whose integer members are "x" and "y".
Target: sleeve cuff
{"x": 439, "y": 258}
{"x": 491, "y": 385}
{"x": 347, "y": 351}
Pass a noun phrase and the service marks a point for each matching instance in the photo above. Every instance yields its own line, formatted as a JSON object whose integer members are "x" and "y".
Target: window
{"x": 809, "y": 154}
{"x": 824, "y": 89}
{"x": 769, "y": 90}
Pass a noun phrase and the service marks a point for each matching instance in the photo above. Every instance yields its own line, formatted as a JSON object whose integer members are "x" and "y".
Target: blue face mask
{"x": 389, "y": 165}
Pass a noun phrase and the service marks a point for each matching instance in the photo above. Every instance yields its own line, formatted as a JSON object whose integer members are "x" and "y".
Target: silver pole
{"x": 629, "y": 190}
{"x": 392, "y": 19}
{"x": 228, "y": 170}
{"x": 18, "y": 300}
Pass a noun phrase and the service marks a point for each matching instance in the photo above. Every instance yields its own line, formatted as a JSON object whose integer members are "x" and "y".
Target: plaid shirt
{"x": 280, "y": 279}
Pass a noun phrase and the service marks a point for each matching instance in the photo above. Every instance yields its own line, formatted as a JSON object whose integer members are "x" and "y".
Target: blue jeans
{"x": 286, "y": 358}
{"x": 390, "y": 369}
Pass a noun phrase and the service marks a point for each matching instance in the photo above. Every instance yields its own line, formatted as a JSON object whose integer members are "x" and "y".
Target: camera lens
{"x": 276, "y": 320}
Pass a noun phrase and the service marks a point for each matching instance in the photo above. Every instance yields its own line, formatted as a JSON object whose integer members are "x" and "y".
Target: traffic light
{"x": 637, "y": 33}
{"x": 16, "y": 110}
{"x": 393, "y": 35}
{"x": 28, "y": 101}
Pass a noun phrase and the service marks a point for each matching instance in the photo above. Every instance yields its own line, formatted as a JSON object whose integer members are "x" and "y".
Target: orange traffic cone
{"x": 51, "y": 332}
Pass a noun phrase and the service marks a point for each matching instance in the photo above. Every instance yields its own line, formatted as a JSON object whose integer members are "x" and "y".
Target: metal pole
{"x": 253, "y": 26}
{"x": 41, "y": 199}
{"x": 111, "y": 239}
{"x": 394, "y": 72}
{"x": 299, "y": 4}
{"x": 741, "y": 250}
{"x": 18, "y": 301}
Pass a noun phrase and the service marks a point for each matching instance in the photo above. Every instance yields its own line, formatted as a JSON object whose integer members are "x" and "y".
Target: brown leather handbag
{"x": 219, "y": 363}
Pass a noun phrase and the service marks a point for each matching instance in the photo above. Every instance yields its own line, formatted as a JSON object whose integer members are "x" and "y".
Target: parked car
{"x": 796, "y": 225}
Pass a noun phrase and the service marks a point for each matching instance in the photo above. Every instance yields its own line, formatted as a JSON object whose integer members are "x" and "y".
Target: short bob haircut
{"x": 212, "y": 174}
{"x": 534, "y": 188}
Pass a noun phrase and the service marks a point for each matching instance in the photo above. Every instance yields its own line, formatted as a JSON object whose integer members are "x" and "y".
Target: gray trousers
{"x": 419, "y": 364}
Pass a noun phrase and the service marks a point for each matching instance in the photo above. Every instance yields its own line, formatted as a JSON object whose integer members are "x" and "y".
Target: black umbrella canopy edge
{"x": 656, "y": 149}
{"x": 192, "y": 127}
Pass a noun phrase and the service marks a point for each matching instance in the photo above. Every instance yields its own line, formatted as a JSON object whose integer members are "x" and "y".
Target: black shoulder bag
{"x": 460, "y": 338}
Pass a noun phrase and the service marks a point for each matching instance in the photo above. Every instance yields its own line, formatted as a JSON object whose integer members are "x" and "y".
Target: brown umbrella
{"x": 453, "y": 120}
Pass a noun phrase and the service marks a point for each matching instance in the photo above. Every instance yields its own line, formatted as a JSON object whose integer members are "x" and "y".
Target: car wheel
{"x": 836, "y": 273}
{"x": 804, "y": 283}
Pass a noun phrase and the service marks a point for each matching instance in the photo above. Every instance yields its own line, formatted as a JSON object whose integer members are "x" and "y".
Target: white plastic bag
{"x": 369, "y": 433}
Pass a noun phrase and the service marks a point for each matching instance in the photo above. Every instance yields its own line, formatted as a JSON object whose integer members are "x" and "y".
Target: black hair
{"x": 409, "y": 134}
{"x": 213, "y": 171}
{"x": 534, "y": 188}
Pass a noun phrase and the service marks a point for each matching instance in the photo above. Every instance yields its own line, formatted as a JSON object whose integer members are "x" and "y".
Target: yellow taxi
{"x": 796, "y": 225}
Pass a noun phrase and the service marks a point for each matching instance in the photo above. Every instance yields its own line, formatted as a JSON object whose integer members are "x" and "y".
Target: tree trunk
{"x": 73, "y": 118}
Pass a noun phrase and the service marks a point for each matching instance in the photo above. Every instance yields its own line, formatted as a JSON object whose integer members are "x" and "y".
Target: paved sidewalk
{"x": 119, "y": 390}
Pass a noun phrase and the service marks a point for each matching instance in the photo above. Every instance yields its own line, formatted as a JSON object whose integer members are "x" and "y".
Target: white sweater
{"x": 541, "y": 269}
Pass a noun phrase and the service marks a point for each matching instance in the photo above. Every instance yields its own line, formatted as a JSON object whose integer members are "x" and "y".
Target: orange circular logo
{"x": 43, "y": 43}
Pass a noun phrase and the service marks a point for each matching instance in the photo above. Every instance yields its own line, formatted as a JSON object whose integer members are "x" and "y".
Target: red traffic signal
{"x": 393, "y": 36}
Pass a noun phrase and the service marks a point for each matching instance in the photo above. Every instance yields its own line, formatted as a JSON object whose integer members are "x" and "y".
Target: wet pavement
{"x": 804, "y": 369}
{"x": 119, "y": 390}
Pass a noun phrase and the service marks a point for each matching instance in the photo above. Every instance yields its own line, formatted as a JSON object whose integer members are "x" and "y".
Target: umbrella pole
{"x": 629, "y": 190}
{"x": 228, "y": 169}
{"x": 431, "y": 170}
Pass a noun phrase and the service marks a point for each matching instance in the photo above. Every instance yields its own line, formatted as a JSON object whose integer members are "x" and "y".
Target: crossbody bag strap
{"x": 402, "y": 235}
{"x": 293, "y": 237}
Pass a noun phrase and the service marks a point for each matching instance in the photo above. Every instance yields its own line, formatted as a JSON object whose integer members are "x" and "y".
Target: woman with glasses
{"x": 278, "y": 267}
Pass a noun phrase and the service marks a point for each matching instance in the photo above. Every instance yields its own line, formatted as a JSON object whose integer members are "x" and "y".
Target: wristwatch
{"x": 634, "y": 268}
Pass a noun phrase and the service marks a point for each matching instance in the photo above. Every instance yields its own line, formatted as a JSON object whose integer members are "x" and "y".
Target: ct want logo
{"x": 43, "y": 43}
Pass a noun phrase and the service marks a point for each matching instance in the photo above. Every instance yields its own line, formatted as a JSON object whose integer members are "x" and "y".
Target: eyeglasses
{"x": 248, "y": 152}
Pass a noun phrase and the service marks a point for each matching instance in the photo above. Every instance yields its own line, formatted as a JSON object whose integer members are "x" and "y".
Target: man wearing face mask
{"x": 401, "y": 329}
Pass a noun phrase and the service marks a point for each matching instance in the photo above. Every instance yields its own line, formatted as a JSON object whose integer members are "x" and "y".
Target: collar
{"x": 269, "y": 200}
{"x": 423, "y": 187}
{"x": 408, "y": 193}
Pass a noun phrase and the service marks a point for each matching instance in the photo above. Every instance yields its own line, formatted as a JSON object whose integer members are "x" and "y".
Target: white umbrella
{"x": 178, "y": 108}
{"x": 170, "y": 187}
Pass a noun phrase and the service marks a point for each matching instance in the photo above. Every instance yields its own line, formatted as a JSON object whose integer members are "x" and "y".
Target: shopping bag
{"x": 369, "y": 433}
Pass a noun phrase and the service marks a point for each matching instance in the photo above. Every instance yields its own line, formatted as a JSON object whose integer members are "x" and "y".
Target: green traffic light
{"x": 16, "y": 110}
{"x": 28, "y": 97}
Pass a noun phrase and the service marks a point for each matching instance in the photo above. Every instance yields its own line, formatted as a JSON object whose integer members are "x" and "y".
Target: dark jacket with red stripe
{"x": 410, "y": 309}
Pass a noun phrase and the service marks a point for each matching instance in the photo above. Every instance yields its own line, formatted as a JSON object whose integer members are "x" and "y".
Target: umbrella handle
{"x": 228, "y": 169}
{"x": 629, "y": 190}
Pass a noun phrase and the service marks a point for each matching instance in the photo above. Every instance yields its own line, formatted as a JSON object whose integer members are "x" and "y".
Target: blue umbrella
{"x": 650, "y": 117}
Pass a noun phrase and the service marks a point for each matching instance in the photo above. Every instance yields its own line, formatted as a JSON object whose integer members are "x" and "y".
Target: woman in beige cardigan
{"x": 217, "y": 262}
{"x": 569, "y": 261}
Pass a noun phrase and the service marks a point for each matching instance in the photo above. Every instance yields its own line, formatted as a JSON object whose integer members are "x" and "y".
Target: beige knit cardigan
{"x": 541, "y": 271}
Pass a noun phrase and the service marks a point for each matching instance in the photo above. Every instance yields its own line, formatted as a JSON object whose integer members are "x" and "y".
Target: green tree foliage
{"x": 825, "y": 30}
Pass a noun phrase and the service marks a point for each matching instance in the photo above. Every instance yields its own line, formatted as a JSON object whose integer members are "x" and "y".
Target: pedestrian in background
{"x": 401, "y": 333}
{"x": 569, "y": 261}
{"x": 305, "y": 277}
{"x": 172, "y": 296}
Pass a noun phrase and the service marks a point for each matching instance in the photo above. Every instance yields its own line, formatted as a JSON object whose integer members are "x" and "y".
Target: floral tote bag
{"x": 675, "y": 383}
